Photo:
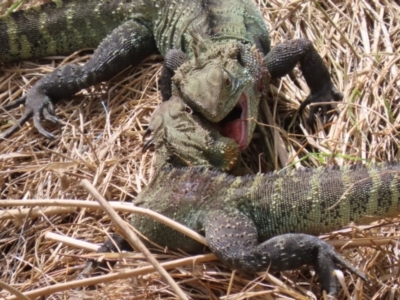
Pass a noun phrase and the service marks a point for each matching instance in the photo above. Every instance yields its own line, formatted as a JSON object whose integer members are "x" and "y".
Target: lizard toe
{"x": 49, "y": 115}
{"x": 39, "y": 126}
{"x": 320, "y": 101}
{"x": 14, "y": 104}
{"x": 18, "y": 124}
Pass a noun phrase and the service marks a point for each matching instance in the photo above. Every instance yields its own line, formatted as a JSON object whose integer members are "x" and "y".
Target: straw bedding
{"x": 101, "y": 141}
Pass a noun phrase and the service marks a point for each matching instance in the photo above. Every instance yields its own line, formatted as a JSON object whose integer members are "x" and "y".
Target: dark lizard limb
{"x": 233, "y": 237}
{"x": 126, "y": 45}
{"x": 115, "y": 244}
{"x": 222, "y": 78}
{"x": 266, "y": 221}
{"x": 283, "y": 58}
{"x": 172, "y": 61}
{"x": 245, "y": 218}
{"x": 243, "y": 251}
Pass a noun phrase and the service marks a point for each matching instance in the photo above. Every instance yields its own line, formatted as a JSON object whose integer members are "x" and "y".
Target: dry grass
{"x": 101, "y": 141}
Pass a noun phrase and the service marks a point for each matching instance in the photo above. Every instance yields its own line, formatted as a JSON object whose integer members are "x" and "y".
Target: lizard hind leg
{"x": 233, "y": 237}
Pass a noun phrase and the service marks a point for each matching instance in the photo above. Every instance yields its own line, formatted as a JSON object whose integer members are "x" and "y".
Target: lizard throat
{"x": 235, "y": 124}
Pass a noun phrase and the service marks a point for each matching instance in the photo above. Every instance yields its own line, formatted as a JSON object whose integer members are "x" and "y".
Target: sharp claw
{"x": 324, "y": 111}
{"x": 46, "y": 110}
{"x": 14, "y": 104}
{"x": 16, "y": 126}
{"x": 147, "y": 145}
{"x": 311, "y": 117}
{"x": 150, "y": 142}
{"x": 304, "y": 104}
{"x": 39, "y": 127}
{"x": 337, "y": 96}
{"x": 328, "y": 96}
{"x": 50, "y": 107}
{"x": 50, "y": 116}
{"x": 147, "y": 133}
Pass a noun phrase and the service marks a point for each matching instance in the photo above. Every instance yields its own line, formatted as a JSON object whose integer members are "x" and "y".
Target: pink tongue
{"x": 235, "y": 130}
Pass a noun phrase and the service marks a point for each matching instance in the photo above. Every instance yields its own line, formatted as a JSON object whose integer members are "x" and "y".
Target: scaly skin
{"x": 182, "y": 138}
{"x": 267, "y": 221}
{"x": 226, "y": 43}
{"x": 260, "y": 222}
{"x": 311, "y": 201}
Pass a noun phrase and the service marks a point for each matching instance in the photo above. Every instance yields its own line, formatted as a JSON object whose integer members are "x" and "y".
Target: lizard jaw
{"x": 235, "y": 124}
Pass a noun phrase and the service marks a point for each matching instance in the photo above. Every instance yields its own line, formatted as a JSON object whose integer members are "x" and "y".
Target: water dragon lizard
{"x": 220, "y": 60}
{"x": 218, "y": 55}
{"x": 255, "y": 222}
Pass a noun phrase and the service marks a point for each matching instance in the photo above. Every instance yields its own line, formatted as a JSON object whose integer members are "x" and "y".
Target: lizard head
{"x": 224, "y": 85}
{"x": 181, "y": 138}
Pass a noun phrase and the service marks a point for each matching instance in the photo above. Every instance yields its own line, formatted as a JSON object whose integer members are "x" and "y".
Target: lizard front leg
{"x": 233, "y": 237}
{"x": 128, "y": 44}
{"x": 283, "y": 58}
{"x": 172, "y": 61}
{"x": 114, "y": 244}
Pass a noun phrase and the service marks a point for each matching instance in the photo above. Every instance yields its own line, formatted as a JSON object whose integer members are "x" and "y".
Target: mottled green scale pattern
{"x": 182, "y": 138}
{"x": 236, "y": 20}
{"x": 312, "y": 201}
{"x": 172, "y": 23}
{"x": 221, "y": 20}
{"x": 125, "y": 32}
{"x": 58, "y": 27}
{"x": 323, "y": 200}
{"x": 61, "y": 27}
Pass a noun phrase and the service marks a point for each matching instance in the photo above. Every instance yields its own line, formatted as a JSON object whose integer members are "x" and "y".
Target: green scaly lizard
{"x": 259, "y": 222}
{"x": 218, "y": 55}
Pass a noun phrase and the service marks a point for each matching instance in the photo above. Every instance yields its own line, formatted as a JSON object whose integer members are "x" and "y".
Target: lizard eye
{"x": 227, "y": 79}
{"x": 188, "y": 110}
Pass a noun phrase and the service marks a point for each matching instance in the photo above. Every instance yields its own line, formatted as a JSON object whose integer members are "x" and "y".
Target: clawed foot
{"x": 149, "y": 142}
{"x": 37, "y": 105}
{"x": 322, "y": 100}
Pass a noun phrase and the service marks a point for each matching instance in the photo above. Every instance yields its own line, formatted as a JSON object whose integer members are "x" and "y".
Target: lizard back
{"x": 311, "y": 201}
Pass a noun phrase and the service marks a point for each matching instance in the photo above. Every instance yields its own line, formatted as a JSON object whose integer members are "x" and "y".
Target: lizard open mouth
{"x": 235, "y": 124}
